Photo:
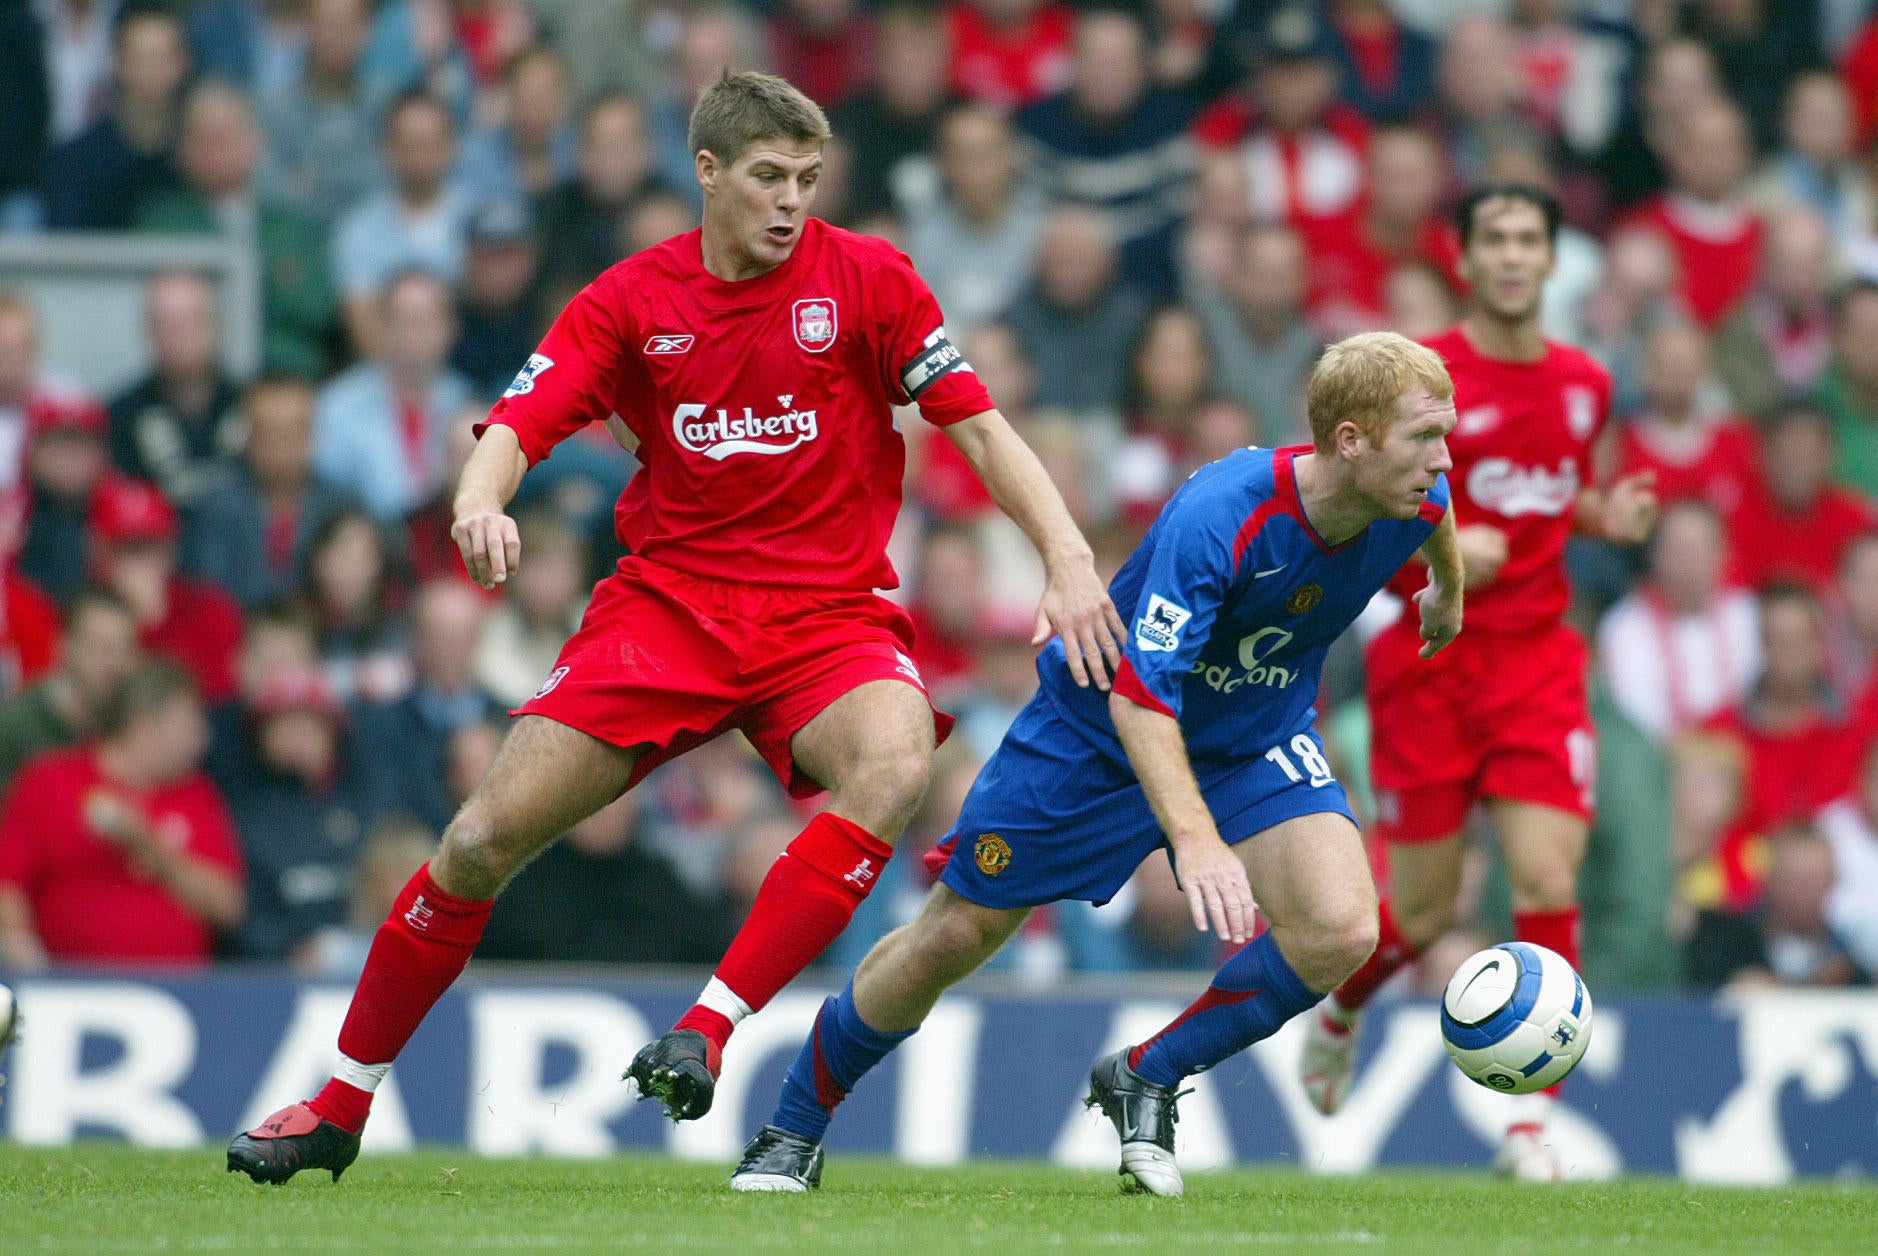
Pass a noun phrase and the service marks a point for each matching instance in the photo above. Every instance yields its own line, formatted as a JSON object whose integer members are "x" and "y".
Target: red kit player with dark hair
{"x": 754, "y": 365}
{"x": 1503, "y": 716}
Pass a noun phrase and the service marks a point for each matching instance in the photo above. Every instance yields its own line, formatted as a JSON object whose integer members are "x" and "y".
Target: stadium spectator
{"x": 534, "y": 143}
{"x": 98, "y": 177}
{"x": 1791, "y": 743}
{"x": 416, "y": 220}
{"x": 1419, "y": 301}
{"x": 1262, "y": 345}
{"x": 418, "y": 45}
{"x": 1009, "y": 53}
{"x": 134, "y": 546}
{"x": 249, "y": 534}
{"x": 711, "y": 37}
{"x": 1850, "y": 827}
{"x": 1682, "y": 647}
{"x": 608, "y": 45}
{"x": 1572, "y": 65}
{"x": 218, "y": 154}
{"x": 321, "y": 127}
{"x": 1169, "y": 376}
{"x": 25, "y": 117}
{"x": 602, "y": 896}
{"x": 975, "y": 230}
{"x": 1302, "y": 148}
{"x": 1705, "y": 214}
{"x": 824, "y": 47}
{"x": 1398, "y": 224}
{"x": 1789, "y": 941}
{"x": 1759, "y": 49}
{"x": 579, "y": 219}
{"x": 259, "y": 44}
{"x": 1852, "y": 627}
{"x": 1636, "y": 292}
{"x": 121, "y": 852}
{"x": 899, "y": 117}
{"x": 97, "y": 649}
{"x": 546, "y": 597}
{"x": 29, "y": 395}
{"x": 29, "y": 620}
{"x": 1003, "y": 676}
{"x": 1077, "y": 314}
{"x": 78, "y": 54}
{"x": 1678, "y": 73}
{"x": 298, "y": 799}
{"x": 1816, "y": 166}
{"x": 389, "y": 856}
{"x": 66, "y": 462}
{"x": 380, "y": 428}
{"x": 1696, "y": 448}
{"x": 1482, "y": 94}
{"x": 405, "y": 743}
{"x": 281, "y": 638}
{"x": 1799, "y": 521}
{"x": 946, "y": 607}
{"x": 180, "y": 426}
{"x": 349, "y": 579}
{"x": 1848, "y": 392}
{"x": 1385, "y": 69}
{"x": 1118, "y": 143}
{"x": 1778, "y": 342}
{"x": 499, "y": 307}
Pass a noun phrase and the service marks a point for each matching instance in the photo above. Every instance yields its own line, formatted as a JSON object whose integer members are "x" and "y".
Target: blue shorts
{"x": 1051, "y": 816}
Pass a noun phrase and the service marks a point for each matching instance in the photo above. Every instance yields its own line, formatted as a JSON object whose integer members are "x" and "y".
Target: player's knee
{"x": 1342, "y": 942}
{"x": 900, "y": 774}
{"x": 471, "y": 856}
{"x": 957, "y": 941}
{"x": 1421, "y": 923}
{"x": 1547, "y": 888}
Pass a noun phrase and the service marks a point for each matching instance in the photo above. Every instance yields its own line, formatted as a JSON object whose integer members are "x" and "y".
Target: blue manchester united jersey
{"x": 1232, "y": 600}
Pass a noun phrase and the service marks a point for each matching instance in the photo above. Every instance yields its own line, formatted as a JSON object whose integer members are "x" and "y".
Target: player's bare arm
{"x": 20, "y": 948}
{"x": 1075, "y": 605}
{"x": 492, "y": 548}
{"x": 1210, "y": 873}
{"x": 1440, "y": 599}
{"x": 1624, "y": 512}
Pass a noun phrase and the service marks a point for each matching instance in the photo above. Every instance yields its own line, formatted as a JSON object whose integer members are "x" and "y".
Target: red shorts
{"x": 668, "y": 661}
{"x": 1495, "y": 715}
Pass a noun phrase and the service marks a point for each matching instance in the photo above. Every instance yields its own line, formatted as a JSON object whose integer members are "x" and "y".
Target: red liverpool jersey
{"x": 1522, "y": 451}
{"x": 763, "y": 409}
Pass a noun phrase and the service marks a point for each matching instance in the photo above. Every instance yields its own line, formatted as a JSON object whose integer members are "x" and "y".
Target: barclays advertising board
{"x": 1754, "y": 1089}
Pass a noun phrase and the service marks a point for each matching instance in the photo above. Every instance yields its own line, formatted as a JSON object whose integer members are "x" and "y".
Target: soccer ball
{"x": 9, "y": 1017}
{"x": 1516, "y": 1017}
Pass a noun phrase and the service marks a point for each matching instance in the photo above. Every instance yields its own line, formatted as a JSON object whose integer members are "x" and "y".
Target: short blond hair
{"x": 1361, "y": 380}
{"x": 745, "y": 106}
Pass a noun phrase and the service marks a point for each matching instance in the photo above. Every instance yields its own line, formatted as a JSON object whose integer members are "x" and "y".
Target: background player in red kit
{"x": 1503, "y": 716}
{"x": 753, "y": 365}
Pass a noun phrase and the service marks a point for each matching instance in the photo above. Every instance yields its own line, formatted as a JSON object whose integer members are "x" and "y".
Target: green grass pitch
{"x": 99, "y": 1198}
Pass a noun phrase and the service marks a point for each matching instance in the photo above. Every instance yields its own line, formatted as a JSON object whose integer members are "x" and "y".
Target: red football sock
{"x": 805, "y": 902}
{"x": 1392, "y": 954}
{"x": 419, "y": 950}
{"x": 1554, "y": 930}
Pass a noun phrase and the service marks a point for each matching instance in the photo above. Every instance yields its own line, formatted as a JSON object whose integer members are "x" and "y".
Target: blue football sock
{"x": 1253, "y": 993}
{"x": 839, "y": 1051}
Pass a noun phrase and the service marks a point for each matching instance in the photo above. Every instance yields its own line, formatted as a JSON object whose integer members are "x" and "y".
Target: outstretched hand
{"x": 1630, "y": 508}
{"x": 1076, "y": 607}
{"x": 1441, "y": 617}
{"x": 1217, "y": 890}
{"x": 491, "y": 546}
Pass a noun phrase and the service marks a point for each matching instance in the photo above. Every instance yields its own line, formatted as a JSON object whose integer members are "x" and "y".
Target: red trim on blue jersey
{"x": 1128, "y": 684}
{"x": 1249, "y": 530}
{"x": 1431, "y": 512}
{"x": 1285, "y": 482}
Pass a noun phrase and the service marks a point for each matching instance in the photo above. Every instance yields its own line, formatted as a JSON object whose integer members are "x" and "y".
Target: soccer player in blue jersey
{"x": 1204, "y": 747}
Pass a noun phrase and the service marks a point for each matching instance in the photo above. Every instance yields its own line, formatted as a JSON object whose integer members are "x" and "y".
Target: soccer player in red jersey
{"x": 754, "y": 365}
{"x": 1503, "y": 716}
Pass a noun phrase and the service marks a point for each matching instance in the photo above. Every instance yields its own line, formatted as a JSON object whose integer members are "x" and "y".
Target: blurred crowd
{"x": 246, "y": 681}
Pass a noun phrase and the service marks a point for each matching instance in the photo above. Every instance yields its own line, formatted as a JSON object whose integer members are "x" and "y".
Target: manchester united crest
{"x": 816, "y": 321}
{"x": 993, "y": 854}
{"x": 1304, "y": 599}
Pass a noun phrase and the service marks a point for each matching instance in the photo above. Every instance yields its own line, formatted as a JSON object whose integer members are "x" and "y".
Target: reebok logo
{"x": 420, "y": 915}
{"x": 862, "y": 876}
{"x": 669, "y": 344}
